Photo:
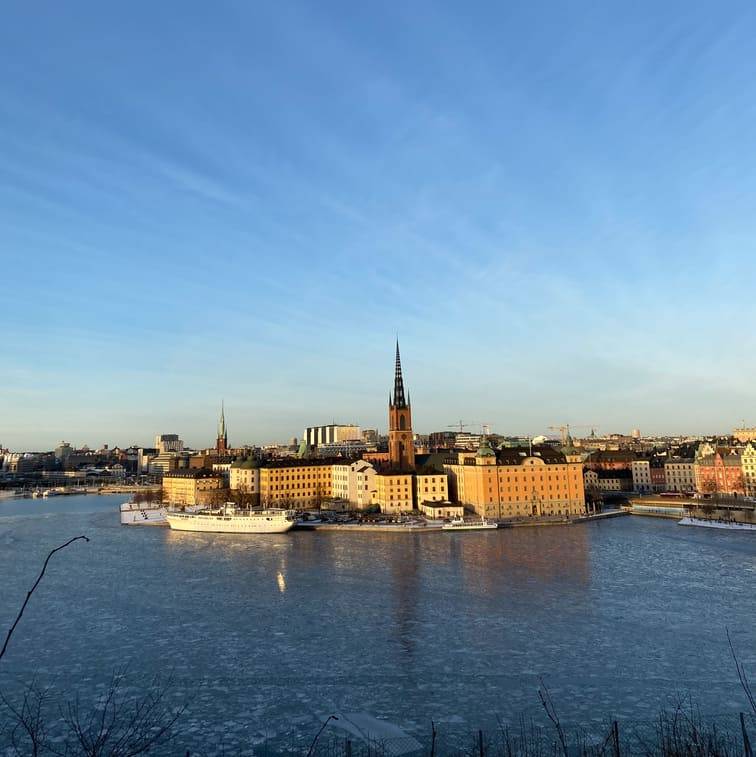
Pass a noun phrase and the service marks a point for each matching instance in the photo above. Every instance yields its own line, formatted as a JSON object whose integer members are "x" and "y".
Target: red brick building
{"x": 718, "y": 470}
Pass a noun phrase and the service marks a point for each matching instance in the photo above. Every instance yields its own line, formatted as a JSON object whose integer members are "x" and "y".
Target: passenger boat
{"x": 230, "y": 520}
{"x": 730, "y": 525}
{"x": 460, "y": 524}
{"x": 143, "y": 514}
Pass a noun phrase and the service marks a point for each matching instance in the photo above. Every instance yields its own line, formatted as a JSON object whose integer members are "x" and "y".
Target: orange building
{"x": 517, "y": 482}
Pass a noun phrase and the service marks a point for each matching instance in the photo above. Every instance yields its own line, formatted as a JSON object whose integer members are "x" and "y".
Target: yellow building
{"x": 431, "y": 487}
{"x": 244, "y": 476}
{"x": 192, "y": 486}
{"x": 748, "y": 464}
{"x": 515, "y": 482}
{"x": 294, "y": 483}
{"x": 394, "y": 492}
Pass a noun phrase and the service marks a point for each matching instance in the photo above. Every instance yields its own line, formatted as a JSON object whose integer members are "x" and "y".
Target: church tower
{"x": 401, "y": 447}
{"x": 221, "y": 443}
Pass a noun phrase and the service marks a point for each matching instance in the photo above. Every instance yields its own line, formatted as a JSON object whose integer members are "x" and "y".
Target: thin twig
{"x": 548, "y": 705}
{"x": 741, "y": 673}
{"x": 31, "y": 591}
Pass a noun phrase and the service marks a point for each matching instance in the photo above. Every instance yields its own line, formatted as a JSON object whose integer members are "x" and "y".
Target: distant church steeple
{"x": 399, "y": 400}
{"x": 401, "y": 444}
{"x": 221, "y": 443}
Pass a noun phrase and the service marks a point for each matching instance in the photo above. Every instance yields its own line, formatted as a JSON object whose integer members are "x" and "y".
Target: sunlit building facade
{"x": 517, "y": 482}
{"x": 192, "y": 487}
{"x": 297, "y": 484}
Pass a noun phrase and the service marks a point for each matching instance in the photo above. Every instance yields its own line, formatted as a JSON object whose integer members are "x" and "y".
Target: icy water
{"x": 267, "y": 635}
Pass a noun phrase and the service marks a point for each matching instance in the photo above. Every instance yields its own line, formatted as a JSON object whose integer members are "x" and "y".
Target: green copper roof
{"x": 485, "y": 450}
{"x": 248, "y": 463}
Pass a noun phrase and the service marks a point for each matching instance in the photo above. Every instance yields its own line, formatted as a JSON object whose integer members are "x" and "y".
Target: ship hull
{"x": 487, "y": 527}
{"x": 458, "y": 524}
{"x": 258, "y": 523}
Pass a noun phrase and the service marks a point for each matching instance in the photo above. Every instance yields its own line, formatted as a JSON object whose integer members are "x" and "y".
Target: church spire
{"x": 222, "y": 440}
{"x": 222, "y": 421}
{"x": 399, "y": 400}
{"x": 401, "y": 440}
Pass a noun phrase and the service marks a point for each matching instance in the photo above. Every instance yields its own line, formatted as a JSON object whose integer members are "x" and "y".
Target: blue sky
{"x": 553, "y": 204}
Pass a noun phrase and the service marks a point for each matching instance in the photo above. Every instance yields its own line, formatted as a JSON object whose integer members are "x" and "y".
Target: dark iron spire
{"x": 399, "y": 400}
{"x": 222, "y": 433}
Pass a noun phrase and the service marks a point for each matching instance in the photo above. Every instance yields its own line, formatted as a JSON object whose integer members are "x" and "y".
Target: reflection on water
{"x": 405, "y": 591}
{"x": 279, "y": 629}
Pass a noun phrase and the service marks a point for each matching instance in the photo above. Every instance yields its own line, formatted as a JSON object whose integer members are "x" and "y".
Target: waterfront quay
{"x": 733, "y": 509}
{"x": 437, "y": 528}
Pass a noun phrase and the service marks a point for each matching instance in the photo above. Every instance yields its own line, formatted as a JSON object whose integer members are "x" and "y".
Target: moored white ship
{"x": 460, "y": 524}
{"x": 230, "y": 520}
{"x": 143, "y": 514}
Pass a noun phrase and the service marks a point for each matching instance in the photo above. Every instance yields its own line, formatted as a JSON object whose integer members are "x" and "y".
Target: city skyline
{"x": 468, "y": 426}
{"x": 551, "y": 205}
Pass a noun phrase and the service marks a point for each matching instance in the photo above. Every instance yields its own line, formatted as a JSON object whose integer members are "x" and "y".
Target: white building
{"x": 441, "y": 510}
{"x": 354, "y": 482}
{"x": 463, "y": 440}
{"x": 641, "y": 470}
{"x": 144, "y": 456}
{"x": 168, "y": 443}
{"x": 162, "y": 462}
{"x": 225, "y": 470}
{"x": 10, "y": 460}
{"x": 680, "y": 475}
{"x": 334, "y": 433}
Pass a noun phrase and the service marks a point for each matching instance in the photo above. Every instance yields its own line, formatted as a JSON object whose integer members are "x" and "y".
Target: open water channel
{"x": 265, "y": 636}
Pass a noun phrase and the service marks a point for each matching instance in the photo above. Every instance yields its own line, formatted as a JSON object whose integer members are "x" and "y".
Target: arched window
{"x": 402, "y": 423}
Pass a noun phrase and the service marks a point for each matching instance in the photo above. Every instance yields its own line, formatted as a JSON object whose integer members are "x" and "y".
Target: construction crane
{"x": 460, "y": 425}
{"x": 565, "y": 430}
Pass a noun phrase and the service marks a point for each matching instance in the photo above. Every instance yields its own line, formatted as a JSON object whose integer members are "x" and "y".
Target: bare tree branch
{"x": 741, "y": 673}
{"x": 31, "y": 591}
{"x": 548, "y": 705}
{"x": 119, "y": 726}
{"x": 29, "y": 720}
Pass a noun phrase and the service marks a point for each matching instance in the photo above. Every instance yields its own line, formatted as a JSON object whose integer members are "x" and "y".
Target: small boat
{"x": 231, "y": 520}
{"x": 729, "y": 525}
{"x": 460, "y": 524}
{"x": 143, "y": 514}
